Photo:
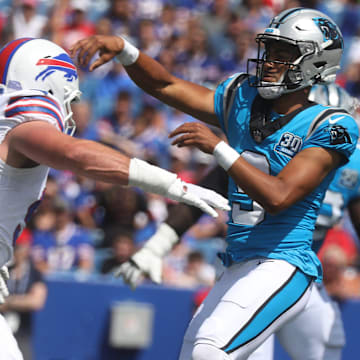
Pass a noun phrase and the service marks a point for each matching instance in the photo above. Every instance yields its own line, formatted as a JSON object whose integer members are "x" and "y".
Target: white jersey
{"x": 21, "y": 189}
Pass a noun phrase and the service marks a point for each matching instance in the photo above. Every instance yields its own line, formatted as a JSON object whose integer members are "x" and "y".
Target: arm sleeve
{"x": 181, "y": 217}
{"x": 22, "y": 109}
{"x": 339, "y": 133}
{"x": 224, "y": 94}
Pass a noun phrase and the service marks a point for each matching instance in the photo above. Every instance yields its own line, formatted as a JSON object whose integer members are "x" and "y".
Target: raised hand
{"x": 147, "y": 262}
{"x": 195, "y": 134}
{"x": 108, "y": 47}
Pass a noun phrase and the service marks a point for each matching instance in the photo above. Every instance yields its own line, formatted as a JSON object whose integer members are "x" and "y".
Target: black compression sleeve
{"x": 181, "y": 216}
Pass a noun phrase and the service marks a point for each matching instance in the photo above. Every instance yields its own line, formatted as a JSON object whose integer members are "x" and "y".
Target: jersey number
{"x": 247, "y": 211}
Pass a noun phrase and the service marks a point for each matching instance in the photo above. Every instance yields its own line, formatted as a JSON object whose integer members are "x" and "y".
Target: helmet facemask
{"x": 292, "y": 77}
{"x": 70, "y": 96}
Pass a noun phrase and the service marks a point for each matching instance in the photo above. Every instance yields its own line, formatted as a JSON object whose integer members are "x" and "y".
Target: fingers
{"x": 184, "y": 140}
{"x": 131, "y": 275}
{"x": 84, "y": 50}
{"x": 96, "y": 46}
{"x": 193, "y": 200}
{"x": 184, "y": 128}
{"x": 100, "y": 61}
{"x": 219, "y": 202}
{"x": 79, "y": 49}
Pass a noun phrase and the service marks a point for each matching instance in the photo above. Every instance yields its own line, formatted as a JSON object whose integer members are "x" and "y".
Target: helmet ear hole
{"x": 51, "y": 92}
{"x": 320, "y": 64}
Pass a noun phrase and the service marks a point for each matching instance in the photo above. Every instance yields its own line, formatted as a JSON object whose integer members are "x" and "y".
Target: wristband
{"x": 163, "y": 240}
{"x": 225, "y": 155}
{"x": 128, "y": 55}
{"x": 150, "y": 178}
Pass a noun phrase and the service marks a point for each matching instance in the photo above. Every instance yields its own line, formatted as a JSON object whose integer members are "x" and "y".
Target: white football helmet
{"x": 316, "y": 39}
{"x": 40, "y": 64}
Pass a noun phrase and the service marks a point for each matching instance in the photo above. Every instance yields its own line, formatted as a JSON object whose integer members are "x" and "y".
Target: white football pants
{"x": 9, "y": 349}
{"x": 317, "y": 333}
{"x": 249, "y": 302}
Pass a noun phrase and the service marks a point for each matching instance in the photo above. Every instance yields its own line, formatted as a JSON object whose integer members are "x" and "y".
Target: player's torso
{"x": 270, "y": 146}
{"x": 270, "y": 154}
{"x": 20, "y": 189}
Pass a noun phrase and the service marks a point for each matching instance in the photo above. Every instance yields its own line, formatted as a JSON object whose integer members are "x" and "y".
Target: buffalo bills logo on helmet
{"x": 330, "y": 32}
{"x": 62, "y": 63}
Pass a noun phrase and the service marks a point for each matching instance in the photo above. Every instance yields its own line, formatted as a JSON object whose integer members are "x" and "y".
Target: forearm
{"x": 97, "y": 162}
{"x": 181, "y": 216}
{"x": 150, "y": 75}
{"x": 188, "y": 97}
{"x": 34, "y": 300}
{"x": 276, "y": 193}
{"x": 269, "y": 191}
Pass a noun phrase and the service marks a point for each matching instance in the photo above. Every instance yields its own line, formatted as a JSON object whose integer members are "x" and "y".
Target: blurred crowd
{"x": 88, "y": 227}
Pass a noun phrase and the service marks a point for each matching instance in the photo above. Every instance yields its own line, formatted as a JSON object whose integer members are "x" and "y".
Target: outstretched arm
{"x": 43, "y": 144}
{"x": 149, "y": 75}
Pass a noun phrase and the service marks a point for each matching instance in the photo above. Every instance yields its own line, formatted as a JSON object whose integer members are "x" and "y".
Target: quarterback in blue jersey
{"x": 281, "y": 156}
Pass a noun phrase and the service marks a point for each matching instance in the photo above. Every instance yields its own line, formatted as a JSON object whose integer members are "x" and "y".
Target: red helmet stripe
{"x": 6, "y": 53}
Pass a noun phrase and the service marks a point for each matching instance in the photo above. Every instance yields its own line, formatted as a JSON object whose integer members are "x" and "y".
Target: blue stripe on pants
{"x": 286, "y": 297}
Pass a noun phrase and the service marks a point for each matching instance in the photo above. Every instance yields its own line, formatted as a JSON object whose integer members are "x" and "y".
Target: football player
{"x": 38, "y": 83}
{"x": 282, "y": 153}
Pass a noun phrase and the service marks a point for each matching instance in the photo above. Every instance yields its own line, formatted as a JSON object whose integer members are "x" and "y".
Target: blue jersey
{"x": 344, "y": 188}
{"x": 269, "y": 143}
{"x": 62, "y": 251}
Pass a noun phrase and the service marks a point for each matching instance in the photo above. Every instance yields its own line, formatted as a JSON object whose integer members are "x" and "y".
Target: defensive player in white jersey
{"x": 38, "y": 83}
{"x": 290, "y": 149}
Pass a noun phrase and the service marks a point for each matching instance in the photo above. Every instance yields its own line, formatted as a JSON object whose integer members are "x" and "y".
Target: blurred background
{"x": 83, "y": 229}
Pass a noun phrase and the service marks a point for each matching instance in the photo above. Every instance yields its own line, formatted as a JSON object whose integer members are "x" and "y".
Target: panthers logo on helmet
{"x": 62, "y": 63}
{"x": 329, "y": 30}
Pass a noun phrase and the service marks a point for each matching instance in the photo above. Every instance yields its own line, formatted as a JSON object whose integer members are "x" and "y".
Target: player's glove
{"x": 4, "y": 277}
{"x": 159, "y": 181}
{"x": 147, "y": 262}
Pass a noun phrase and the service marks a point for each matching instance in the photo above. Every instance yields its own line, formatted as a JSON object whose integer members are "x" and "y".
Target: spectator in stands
{"x": 117, "y": 129}
{"x": 200, "y": 66}
{"x": 65, "y": 247}
{"x": 166, "y": 25}
{"x": 85, "y": 129}
{"x": 147, "y": 38}
{"x": 340, "y": 279}
{"x": 195, "y": 273}
{"x": 71, "y": 22}
{"x": 24, "y": 21}
{"x": 150, "y": 136}
{"x": 122, "y": 248}
{"x": 121, "y": 16}
{"x": 255, "y": 15}
{"x": 121, "y": 207}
